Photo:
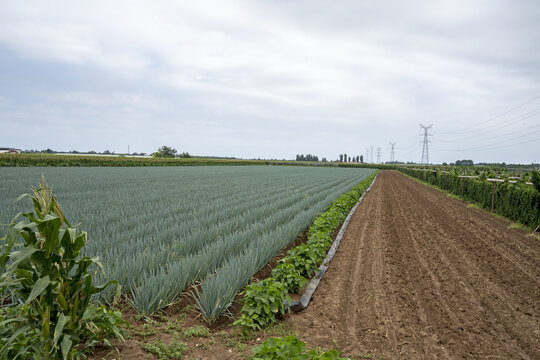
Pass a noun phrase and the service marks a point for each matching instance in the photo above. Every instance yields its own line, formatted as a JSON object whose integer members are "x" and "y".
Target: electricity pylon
{"x": 425, "y": 149}
{"x": 392, "y": 152}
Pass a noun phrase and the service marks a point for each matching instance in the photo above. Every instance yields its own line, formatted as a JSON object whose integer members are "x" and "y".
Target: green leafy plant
{"x": 290, "y": 348}
{"x": 305, "y": 259}
{"x": 47, "y": 275}
{"x": 173, "y": 350}
{"x": 263, "y": 303}
{"x": 289, "y": 276}
{"x": 197, "y": 331}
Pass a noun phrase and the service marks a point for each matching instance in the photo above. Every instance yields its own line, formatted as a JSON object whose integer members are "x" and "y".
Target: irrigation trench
{"x": 421, "y": 275}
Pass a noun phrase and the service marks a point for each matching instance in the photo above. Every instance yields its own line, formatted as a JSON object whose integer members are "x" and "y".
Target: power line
{"x": 493, "y": 137}
{"x": 496, "y": 148}
{"x": 494, "y": 145}
{"x": 502, "y": 125}
{"x": 492, "y": 118}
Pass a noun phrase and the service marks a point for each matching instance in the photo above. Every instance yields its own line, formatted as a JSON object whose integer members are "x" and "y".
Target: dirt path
{"x": 421, "y": 275}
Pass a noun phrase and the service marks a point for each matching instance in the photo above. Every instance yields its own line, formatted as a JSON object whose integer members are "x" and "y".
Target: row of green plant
{"x": 264, "y": 301}
{"x": 491, "y": 172}
{"x": 291, "y": 348}
{"x": 56, "y": 160}
{"x": 518, "y": 202}
{"x": 24, "y": 160}
{"x": 46, "y": 288}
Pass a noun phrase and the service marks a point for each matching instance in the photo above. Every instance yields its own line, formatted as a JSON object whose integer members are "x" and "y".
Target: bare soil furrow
{"x": 420, "y": 275}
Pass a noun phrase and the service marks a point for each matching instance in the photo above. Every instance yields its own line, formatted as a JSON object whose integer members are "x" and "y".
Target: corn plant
{"x": 51, "y": 282}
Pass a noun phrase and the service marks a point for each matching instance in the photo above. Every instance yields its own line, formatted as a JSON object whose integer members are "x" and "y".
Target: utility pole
{"x": 378, "y": 155}
{"x": 392, "y": 153}
{"x": 425, "y": 149}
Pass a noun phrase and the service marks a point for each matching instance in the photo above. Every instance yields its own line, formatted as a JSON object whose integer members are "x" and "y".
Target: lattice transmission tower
{"x": 392, "y": 152}
{"x": 425, "y": 148}
{"x": 378, "y": 155}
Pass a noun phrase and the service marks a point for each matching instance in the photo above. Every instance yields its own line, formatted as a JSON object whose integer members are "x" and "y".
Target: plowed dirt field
{"x": 421, "y": 275}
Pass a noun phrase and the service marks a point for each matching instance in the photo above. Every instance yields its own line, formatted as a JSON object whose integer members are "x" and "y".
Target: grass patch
{"x": 519, "y": 226}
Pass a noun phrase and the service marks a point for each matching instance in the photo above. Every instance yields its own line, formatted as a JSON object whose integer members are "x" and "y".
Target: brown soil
{"x": 421, "y": 275}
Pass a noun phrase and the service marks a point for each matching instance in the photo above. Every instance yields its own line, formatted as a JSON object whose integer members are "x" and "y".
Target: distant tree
{"x": 349, "y": 159}
{"x": 92, "y": 152}
{"x": 357, "y": 158}
{"x": 445, "y": 164}
{"x": 340, "y": 157}
{"x": 107, "y": 152}
{"x": 165, "y": 152}
{"x": 48, "y": 151}
{"x": 464, "y": 163}
{"x": 345, "y": 157}
{"x": 307, "y": 157}
{"x": 185, "y": 155}
{"x": 362, "y": 158}
{"x": 323, "y": 159}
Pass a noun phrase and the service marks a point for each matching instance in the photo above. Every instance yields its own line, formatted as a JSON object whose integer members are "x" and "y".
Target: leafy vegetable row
{"x": 263, "y": 301}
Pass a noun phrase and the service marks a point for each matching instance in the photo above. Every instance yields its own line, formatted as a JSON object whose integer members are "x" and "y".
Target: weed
{"x": 145, "y": 330}
{"x": 174, "y": 325}
{"x": 197, "y": 331}
{"x": 173, "y": 350}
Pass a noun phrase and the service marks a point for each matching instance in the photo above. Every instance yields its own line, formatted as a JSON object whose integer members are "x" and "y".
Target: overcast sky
{"x": 273, "y": 79}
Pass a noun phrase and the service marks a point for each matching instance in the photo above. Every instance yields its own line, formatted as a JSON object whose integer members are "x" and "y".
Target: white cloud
{"x": 387, "y": 64}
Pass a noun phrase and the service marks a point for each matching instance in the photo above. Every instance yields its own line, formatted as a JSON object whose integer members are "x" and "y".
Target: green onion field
{"x": 158, "y": 230}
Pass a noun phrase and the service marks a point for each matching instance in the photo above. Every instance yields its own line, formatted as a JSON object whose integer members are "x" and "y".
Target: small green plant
{"x": 289, "y": 275}
{"x": 173, "y": 326}
{"x": 146, "y": 329}
{"x": 305, "y": 259}
{"x": 46, "y": 274}
{"x": 263, "y": 303}
{"x": 290, "y": 348}
{"x": 197, "y": 331}
{"x": 171, "y": 351}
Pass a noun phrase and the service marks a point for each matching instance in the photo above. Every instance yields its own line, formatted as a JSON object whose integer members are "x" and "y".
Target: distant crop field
{"x": 160, "y": 229}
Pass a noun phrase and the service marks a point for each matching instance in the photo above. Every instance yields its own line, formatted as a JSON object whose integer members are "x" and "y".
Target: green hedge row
{"x": 263, "y": 300}
{"x": 25, "y": 160}
{"x": 518, "y": 202}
